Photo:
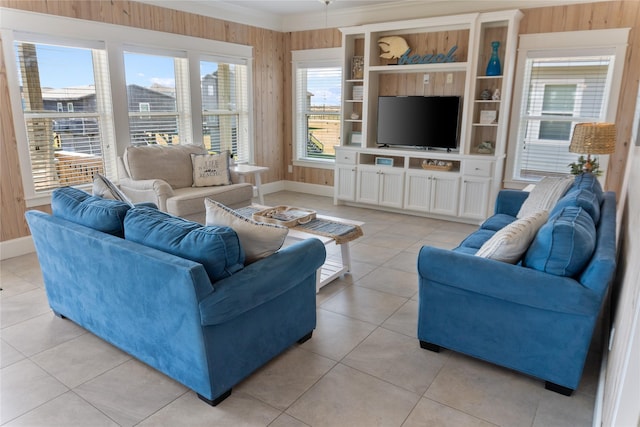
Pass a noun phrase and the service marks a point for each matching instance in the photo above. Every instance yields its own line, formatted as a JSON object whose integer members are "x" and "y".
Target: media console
{"x": 457, "y": 185}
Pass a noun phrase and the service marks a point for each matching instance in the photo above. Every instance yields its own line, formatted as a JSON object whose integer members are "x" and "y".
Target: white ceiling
{"x": 297, "y": 15}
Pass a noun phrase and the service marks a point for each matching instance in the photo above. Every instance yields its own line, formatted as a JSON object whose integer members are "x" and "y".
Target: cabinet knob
{"x": 477, "y": 169}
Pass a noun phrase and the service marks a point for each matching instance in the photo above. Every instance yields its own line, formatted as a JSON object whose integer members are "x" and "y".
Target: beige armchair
{"x": 164, "y": 175}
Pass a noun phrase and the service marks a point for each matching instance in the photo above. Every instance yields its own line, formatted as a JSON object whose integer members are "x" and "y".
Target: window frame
{"x": 567, "y": 44}
{"x": 115, "y": 39}
{"x": 310, "y": 58}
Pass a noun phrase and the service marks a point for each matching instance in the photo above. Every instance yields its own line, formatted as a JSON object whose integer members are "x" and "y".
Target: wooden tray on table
{"x": 288, "y": 216}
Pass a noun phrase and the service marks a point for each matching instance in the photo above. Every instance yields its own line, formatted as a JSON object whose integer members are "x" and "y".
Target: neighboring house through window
{"x": 561, "y": 81}
{"x": 317, "y": 77}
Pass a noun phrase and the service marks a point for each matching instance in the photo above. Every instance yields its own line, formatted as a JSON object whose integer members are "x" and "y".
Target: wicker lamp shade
{"x": 593, "y": 138}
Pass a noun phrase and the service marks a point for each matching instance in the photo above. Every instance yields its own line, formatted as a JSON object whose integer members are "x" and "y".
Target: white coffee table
{"x": 331, "y": 269}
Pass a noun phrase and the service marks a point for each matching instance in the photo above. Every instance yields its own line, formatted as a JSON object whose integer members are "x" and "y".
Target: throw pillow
{"x": 216, "y": 248}
{"x": 545, "y": 195}
{"x": 512, "y": 241}
{"x": 94, "y": 212}
{"x": 258, "y": 239}
{"x": 211, "y": 169}
{"x": 103, "y": 187}
{"x": 564, "y": 244}
{"x": 588, "y": 181}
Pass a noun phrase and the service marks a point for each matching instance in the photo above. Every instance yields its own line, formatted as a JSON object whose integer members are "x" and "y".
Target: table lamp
{"x": 593, "y": 138}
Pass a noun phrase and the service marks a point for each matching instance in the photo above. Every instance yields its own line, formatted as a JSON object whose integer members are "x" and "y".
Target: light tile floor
{"x": 363, "y": 366}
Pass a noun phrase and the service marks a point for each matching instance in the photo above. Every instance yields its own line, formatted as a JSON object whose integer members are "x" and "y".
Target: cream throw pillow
{"x": 258, "y": 239}
{"x": 210, "y": 169}
{"x": 512, "y": 241}
{"x": 545, "y": 195}
{"x": 103, "y": 187}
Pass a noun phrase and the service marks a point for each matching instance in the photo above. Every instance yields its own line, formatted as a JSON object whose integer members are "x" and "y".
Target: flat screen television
{"x": 419, "y": 121}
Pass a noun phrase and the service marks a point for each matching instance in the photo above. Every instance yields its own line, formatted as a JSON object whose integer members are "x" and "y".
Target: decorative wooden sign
{"x": 396, "y": 47}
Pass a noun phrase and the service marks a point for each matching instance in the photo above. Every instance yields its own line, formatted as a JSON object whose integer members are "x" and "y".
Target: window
{"x": 65, "y": 148}
{"x": 317, "y": 99}
{"x": 556, "y": 88}
{"x": 158, "y": 99}
{"x": 225, "y": 109}
{"x": 76, "y": 108}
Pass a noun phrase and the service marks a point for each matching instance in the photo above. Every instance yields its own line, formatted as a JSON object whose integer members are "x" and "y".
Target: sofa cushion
{"x": 216, "y": 248}
{"x": 582, "y": 198}
{"x": 476, "y": 239}
{"x": 497, "y": 222}
{"x": 210, "y": 169}
{"x": 564, "y": 244}
{"x": 169, "y": 163}
{"x": 258, "y": 239}
{"x": 545, "y": 195}
{"x": 77, "y": 206}
{"x": 512, "y": 241}
{"x": 588, "y": 181}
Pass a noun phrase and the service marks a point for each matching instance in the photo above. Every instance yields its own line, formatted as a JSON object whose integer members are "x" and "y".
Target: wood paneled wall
{"x": 598, "y": 16}
{"x": 272, "y": 78}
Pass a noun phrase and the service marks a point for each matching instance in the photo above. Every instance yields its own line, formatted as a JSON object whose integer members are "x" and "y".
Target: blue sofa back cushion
{"x": 82, "y": 208}
{"x": 588, "y": 181}
{"x": 216, "y": 248}
{"x": 580, "y": 198}
{"x": 563, "y": 245}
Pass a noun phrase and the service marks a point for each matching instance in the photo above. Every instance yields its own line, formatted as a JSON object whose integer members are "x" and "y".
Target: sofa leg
{"x": 62, "y": 316}
{"x": 217, "y": 400}
{"x": 565, "y": 391}
{"x": 305, "y": 338}
{"x": 428, "y": 346}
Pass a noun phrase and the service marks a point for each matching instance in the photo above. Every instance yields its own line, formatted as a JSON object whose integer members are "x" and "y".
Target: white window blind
{"x": 158, "y": 99}
{"x": 67, "y": 146}
{"x": 317, "y": 97}
{"x": 559, "y": 92}
{"x": 225, "y": 109}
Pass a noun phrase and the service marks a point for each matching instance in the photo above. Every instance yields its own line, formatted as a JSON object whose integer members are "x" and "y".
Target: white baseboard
{"x": 315, "y": 189}
{"x": 16, "y": 247}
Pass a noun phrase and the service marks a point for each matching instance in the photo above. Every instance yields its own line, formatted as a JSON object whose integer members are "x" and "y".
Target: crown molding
{"x": 336, "y": 18}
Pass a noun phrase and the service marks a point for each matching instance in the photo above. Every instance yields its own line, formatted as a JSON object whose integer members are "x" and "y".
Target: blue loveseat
{"x": 536, "y": 316}
{"x": 208, "y": 323}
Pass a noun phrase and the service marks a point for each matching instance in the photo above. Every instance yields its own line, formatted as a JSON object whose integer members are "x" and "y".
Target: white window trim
{"x": 115, "y": 38}
{"x": 305, "y": 58}
{"x": 612, "y": 41}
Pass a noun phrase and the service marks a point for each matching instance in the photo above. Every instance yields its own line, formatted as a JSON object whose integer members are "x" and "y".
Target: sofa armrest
{"x": 235, "y": 177}
{"x": 509, "y": 282}
{"x": 509, "y": 201}
{"x": 262, "y": 281}
{"x": 155, "y": 191}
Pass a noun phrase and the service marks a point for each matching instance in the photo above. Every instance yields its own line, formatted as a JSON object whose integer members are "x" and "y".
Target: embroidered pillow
{"x": 545, "y": 195}
{"x": 508, "y": 244}
{"x": 210, "y": 169}
{"x": 258, "y": 239}
{"x": 103, "y": 187}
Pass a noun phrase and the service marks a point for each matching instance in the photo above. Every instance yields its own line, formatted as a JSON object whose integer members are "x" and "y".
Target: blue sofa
{"x": 537, "y": 316}
{"x": 207, "y": 324}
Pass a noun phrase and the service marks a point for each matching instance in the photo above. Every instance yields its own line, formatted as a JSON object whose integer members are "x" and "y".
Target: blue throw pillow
{"x": 216, "y": 248}
{"x": 580, "y": 198}
{"x": 564, "y": 245}
{"x": 589, "y": 181}
{"x": 77, "y": 206}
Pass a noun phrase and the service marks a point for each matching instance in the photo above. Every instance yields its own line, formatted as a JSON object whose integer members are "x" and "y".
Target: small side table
{"x": 244, "y": 170}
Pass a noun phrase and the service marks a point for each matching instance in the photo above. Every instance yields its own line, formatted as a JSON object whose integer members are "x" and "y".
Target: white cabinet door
{"x": 391, "y": 187}
{"x": 418, "y": 191}
{"x": 474, "y": 197}
{"x": 368, "y": 184}
{"x": 345, "y": 183}
{"x": 445, "y": 190}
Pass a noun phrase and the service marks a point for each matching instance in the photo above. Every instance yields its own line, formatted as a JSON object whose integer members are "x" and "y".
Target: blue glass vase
{"x": 493, "y": 67}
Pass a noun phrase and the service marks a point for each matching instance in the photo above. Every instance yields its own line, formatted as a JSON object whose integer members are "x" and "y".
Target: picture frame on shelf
{"x": 488, "y": 117}
{"x": 355, "y": 138}
{"x": 357, "y": 93}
